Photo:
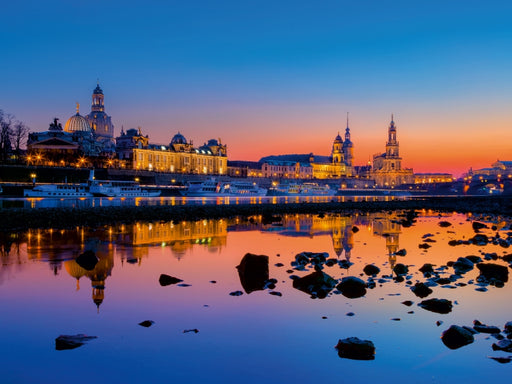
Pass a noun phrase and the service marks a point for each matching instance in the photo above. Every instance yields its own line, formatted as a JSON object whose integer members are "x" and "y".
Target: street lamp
{"x": 33, "y": 177}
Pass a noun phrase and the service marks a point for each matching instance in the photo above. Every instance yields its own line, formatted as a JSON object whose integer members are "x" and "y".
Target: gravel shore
{"x": 13, "y": 219}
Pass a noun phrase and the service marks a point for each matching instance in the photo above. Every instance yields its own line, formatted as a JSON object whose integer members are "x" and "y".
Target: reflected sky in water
{"x": 254, "y": 337}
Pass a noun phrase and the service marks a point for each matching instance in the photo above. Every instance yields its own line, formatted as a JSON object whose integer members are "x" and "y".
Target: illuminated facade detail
{"x": 387, "y": 167}
{"x": 181, "y": 156}
{"x": 348, "y": 150}
{"x": 100, "y": 122}
{"x": 431, "y": 178}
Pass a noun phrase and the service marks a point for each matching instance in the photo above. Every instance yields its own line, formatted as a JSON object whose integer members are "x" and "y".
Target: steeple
{"x": 97, "y": 99}
{"x": 77, "y": 108}
{"x": 347, "y": 132}
{"x": 392, "y": 132}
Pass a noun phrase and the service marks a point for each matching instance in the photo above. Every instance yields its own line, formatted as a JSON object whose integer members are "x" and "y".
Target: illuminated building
{"x": 180, "y": 156}
{"x": 387, "y": 167}
{"x": 430, "y": 178}
{"x": 100, "y": 122}
{"x": 337, "y": 165}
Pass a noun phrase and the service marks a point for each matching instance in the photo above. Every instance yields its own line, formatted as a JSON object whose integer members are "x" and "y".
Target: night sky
{"x": 273, "y": 77}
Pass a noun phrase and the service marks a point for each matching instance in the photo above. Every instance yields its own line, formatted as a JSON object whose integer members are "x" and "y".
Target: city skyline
{"x": 272, "y": 78}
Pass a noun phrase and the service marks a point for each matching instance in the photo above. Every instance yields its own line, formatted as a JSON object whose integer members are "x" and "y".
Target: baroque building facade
{"x": 180, "y": 156}
{"x": 387, "y": 168}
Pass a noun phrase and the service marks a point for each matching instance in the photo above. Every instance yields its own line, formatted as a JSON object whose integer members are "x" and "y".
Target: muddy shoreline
{"x": 14, "y": 219}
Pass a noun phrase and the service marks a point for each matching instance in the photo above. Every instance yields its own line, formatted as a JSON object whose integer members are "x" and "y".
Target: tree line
{"x": 13, "y": 135}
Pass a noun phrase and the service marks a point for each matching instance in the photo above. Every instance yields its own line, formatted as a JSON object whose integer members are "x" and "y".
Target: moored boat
{"x": 58, "y": 191}
{"x": 118, "y": 188}
{"x": 215, "y": 188}
{"x": 301, "y": 189}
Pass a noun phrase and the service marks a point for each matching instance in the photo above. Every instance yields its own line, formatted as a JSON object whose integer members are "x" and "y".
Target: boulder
{"x": 71, "y": 341}
{"x": 168, "y": 280}
{"x": 147, "y": 323}
{"x": 493, "y": 271}
{"x": 444, "y": 224}
{"x": 400, "y": 269}
{"x": 356, "y": 349}
{"x": 442, "y": 306}
{"x": 478, "y": 226}
{"x": 503, "y": 345}
{"x": 501, "y": 359}
{"x": 318, "y": 284}
{"x": 87, "y": 260}
{"x": 427, "y": 268}
{"x": 401, "y": 252}
{"x": 421, "y": 290}
{"x": 456, "y": 337}
{"x": 371, "y": 270}
{"x": 480, "y": 239}
{"x": 253, "y": 272}
{"x": 462, "y": 265}
{"x": 352, "y": 287}
{"x": 508, "y": 327}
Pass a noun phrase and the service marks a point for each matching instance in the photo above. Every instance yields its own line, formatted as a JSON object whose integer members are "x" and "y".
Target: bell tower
{"x": 337, "y": 153}
{"x": 97, "y": 99}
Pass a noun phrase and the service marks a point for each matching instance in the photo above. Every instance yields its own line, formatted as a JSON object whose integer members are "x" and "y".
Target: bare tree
{"x": 20, "y": 134}
{"x": 6, "y": 134}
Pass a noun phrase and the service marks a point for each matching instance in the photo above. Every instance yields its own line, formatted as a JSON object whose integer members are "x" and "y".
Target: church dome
{"x": 179, "y": 139}
{"x": 338, "y": 138}
{"x": 77, "y": 123}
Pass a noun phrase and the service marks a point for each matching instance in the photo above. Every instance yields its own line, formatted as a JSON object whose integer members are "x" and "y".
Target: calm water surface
{"x": 252, "y": 338}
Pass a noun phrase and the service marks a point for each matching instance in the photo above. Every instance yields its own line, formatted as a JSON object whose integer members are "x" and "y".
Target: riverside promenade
{"x": 14, "y": 219}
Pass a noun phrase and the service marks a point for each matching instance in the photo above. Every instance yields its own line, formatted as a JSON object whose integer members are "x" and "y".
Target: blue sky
{"x": 246, "y": 71}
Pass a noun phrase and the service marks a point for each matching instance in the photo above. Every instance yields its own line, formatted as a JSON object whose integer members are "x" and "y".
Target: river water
{"x": 257, "y": 336}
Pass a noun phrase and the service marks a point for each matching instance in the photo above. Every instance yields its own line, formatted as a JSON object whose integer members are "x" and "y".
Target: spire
{"x": 392, "y": 120}
{"x": 347, "y": 120}
{"x": 77, "y": 108}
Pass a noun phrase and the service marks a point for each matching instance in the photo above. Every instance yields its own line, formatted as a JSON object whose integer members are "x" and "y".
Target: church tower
{"x": 394, "y": 163}
{"x": 348, "y": 147}
{"x": 100, "y": 122}
{"x": 337, "y": 153}
{"x": 97, "y": 100}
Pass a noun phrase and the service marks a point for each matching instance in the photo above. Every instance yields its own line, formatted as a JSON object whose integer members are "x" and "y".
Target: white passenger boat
{"x": 301, "y": 189}
{"x": 58, "y": 191}
{"x": 214, "y": 188}
{"x": 115, "y": 188}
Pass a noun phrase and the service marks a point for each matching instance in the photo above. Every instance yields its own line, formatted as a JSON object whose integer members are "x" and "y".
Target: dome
{"x": 338, "y": 138}
{"x": 213, "y": 143}
{"x": 77, "y": 123}
{"x": 179, "y": 139}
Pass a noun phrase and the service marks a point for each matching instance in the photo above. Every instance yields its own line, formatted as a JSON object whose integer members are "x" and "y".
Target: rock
{"x": 371, "y": 270}
{"x": 352, "y": 287}
{"x": 421, "y": 290}
{"x": 482, "y": 328}
{"x": 253, "y": 272}
{"x": 184, "y": 285}
{"x": 279, "y": 264}
{"x": 444, "y": 224}
{"x": 480, "y": 239}
{"x": 356, "y": 349}
{"x": 395, "y": 319}
{"x": 275, "y": 293}
{"x": 501, "y": 360}
{"x": 407, "y": 303}
{"x": 424, "y": 246}
{"x": 456, "y": 337}
{"x": 350, "y": 314}
{"x": 147, "y": 323}
{"x": 439, "y": 322}
{"x": 87, "y": 260}
{"x": 168, "y": 280}
{"x": 71, "y": 341}
{"x": 427, "y": 268}
{"x": 442, "y": 306}
{"x": 503, "y": 345}
{"x": 508, "y": 327}
{"x": 344, "y": 264}
{"x": 236, "y": 293}
{"x": 318, "y": 284}
{"x": 195, "y": 330}
{"x": 401, "y": 252}
{"x": 507, "y": 258}
{"x": 478, "y": 226}
{"x": 474, "y": 259}
{"x": 493, "y": 271}
{"x": 462, "y": 265}
{"x": 400, "y": 269}
{"x": 355, "y": 229}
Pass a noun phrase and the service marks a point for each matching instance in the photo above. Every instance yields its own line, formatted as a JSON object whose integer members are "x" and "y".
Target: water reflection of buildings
{"x": 388, "y": 227}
